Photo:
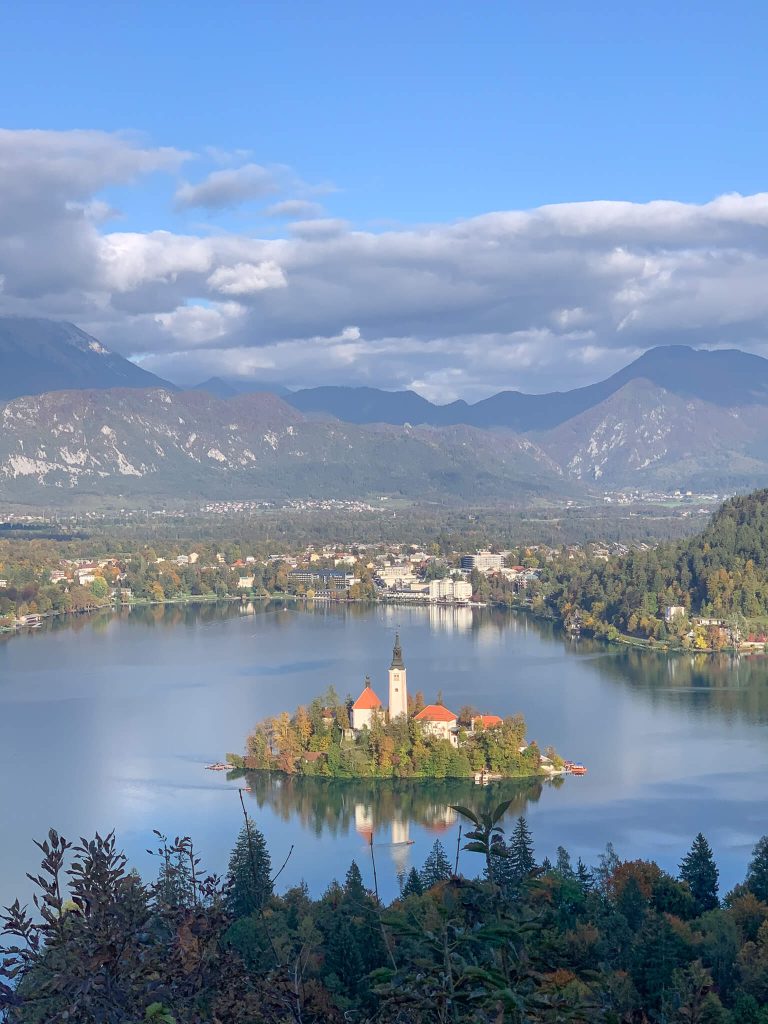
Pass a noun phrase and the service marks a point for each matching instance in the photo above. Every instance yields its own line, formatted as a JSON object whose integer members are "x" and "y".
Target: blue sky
{"x": 400, "y": 115}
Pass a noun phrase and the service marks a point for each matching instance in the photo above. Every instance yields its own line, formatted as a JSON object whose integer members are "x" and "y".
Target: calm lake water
{"x": 108, "y": 722}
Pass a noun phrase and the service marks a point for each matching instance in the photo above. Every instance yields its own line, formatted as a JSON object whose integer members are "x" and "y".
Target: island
{"x": 409, "y": 739}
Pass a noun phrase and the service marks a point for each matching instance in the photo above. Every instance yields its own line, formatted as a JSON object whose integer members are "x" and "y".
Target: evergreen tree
{"x": 699, "y": 870}
{"x": 343, "y": 955}
{"x": 563, "y": 863}
{"x": 546, "y": 866}
{"x": 584, "y": 876}
{"x": 437, "y": 867}
{"x": 354, "y": 890}
{"x": 249, "y": 882}
{"x": 632, "y": 904}
{"x": 522, "y": 861}
{"x": 607, "y": 863}
{"x": 413, "y": 885}
{"x": 757, "y": 873}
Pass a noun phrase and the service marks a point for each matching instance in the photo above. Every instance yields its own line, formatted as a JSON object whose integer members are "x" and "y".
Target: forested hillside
{"x": 722, "y": 573}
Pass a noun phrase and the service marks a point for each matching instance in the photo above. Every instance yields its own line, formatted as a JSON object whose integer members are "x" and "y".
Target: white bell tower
{"x": 398, "y": 690}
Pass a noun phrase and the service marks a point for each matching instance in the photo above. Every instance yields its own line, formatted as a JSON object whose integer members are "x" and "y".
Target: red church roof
{"x": 367, "y": 701}
{"x": 435, "y": 713}
{"x": 489, "y": 721}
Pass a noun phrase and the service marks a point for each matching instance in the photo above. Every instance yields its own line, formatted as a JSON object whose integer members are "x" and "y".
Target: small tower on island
{"x": 398, "y": 690}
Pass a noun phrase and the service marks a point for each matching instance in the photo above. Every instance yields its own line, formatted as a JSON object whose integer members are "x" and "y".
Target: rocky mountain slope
{"x": 189, "y": 444}
{"x": 645, "y": 436}
{"x": 46, "y": 355}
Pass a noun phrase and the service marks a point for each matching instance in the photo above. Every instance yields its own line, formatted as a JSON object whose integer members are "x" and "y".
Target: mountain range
{"x": 79, "y": 419}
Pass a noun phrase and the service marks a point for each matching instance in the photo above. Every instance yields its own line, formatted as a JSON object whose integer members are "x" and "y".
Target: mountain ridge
{"x": 38, "y": 355}
{"x": 720, "y": 377}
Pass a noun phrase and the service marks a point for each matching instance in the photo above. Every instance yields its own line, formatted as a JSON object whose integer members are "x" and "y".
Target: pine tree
{"x": 413, "y": 885}
{"x": 436, "y": 868}
{"x": 249, "y": 882}
{"x": 584, "y": 876}
{"x": 606, "y": 866}
{"x": 563, "y": 864}
{"x": 632, "y": 904}
{"x": 699, "y": 870}
{"x": 757, "y": 873}
{"x": 546, "y": 866}
{"x": 522, "y": 861}
{"x": 354, "y": 890}
{"x": 343, "y": 955}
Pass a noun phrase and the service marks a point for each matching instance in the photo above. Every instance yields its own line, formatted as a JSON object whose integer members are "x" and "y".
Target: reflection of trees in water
{"x": 337, "y": 805}
{"x": 720, "y": 683}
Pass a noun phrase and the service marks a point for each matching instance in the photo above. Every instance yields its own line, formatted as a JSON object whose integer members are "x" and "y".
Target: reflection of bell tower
{"x": 398, "y": 693}
{"x": 400, "y": 844}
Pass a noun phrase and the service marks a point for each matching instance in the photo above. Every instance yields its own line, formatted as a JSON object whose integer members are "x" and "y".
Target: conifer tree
{"x": 606, "y": 866}
{"x": 249, "y": 882}
{"x": 757, "y": 873}
{"x": 522, "y": 861}
{"x": 632, "y": 904}
{"x": 584, "y": 876}
{"x": 699, "y": 870}
{"x": 546, "y": 866}
{"x": 436, "y": 868}
{"x": 354, "y": 890}
{"x": 413, "y": 885}
{"x": 563, "y": 864}
{"x": 343, "y": 955}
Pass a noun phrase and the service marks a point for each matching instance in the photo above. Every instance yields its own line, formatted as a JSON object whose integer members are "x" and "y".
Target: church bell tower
{"x": 398, "y": 691}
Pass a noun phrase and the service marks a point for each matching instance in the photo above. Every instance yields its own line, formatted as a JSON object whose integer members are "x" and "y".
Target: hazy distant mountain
{"x": 726, "y": 377}
{"x": 47, "y": 355}
{"x": 188, "y": 444}
{"x": 221, "y": 388}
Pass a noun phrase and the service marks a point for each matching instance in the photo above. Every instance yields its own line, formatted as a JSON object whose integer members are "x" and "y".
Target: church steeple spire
{"x": 397, "y": 654}
{"x": 398, "y": 691}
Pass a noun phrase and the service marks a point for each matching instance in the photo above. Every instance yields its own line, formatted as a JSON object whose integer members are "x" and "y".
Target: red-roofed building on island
{"x": 486, "y": 721}
{"x": 364, "y": 707}
{"x": 438, "y": 721}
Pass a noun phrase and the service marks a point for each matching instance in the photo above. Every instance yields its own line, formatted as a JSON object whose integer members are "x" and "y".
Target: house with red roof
{"x": 486, "y": 722}
{"x": 364, "y": 707}
{"x": 438, "y": 721}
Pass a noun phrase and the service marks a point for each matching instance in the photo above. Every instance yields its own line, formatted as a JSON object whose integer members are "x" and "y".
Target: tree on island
{"x": 699, "y": 870}
{"x": 249, "y": 876}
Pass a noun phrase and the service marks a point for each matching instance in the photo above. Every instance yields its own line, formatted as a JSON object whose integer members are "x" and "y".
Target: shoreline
{"x": 638, "y": 643}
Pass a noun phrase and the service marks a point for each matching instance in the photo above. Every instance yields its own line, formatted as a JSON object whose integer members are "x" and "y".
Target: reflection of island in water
{"x": 387, "y": 808}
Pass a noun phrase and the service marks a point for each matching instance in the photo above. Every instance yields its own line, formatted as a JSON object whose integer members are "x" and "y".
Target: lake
{"x": 107, "y": 722}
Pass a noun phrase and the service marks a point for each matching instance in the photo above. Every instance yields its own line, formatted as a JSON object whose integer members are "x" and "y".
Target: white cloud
{"x": 247, "y": 278}
{"x": 551, "y": 297}
{"x": 294, "y": 208}
{"x": 225, "y": 189}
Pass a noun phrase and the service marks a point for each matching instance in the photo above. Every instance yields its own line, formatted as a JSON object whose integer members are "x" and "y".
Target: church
{"x": 436, "y": 719}
{"x": 368, "y": 703}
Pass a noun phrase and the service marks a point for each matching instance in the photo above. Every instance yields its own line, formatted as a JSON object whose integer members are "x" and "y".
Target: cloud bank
{"x": 535, "y": 299}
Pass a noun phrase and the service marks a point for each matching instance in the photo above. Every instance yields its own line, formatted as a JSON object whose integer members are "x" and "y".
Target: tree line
{"x": 485, "y": 935}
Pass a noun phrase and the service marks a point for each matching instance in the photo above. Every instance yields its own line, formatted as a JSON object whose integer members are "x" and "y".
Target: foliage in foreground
{"x": 623, "y": 943}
